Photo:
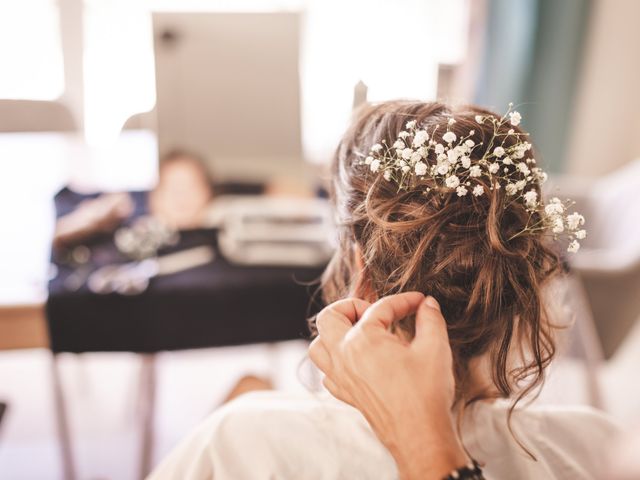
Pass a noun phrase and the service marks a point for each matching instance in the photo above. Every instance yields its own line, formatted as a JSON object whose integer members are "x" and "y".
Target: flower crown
{"x": 416, "y": 155}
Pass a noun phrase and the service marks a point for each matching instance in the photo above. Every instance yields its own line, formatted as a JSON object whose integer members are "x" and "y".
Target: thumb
{"x": 430, "y": 324}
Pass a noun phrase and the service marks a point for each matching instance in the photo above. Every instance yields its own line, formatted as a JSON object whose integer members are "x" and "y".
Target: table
{"x": 23, "y": 326}
{"x": 210, "y": 305}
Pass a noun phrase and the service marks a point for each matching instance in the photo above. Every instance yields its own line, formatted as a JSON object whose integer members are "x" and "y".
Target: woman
{"x": 434, "y": 200}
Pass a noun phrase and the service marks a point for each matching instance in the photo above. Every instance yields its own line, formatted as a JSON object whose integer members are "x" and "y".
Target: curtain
{"x": 532, "y": 55}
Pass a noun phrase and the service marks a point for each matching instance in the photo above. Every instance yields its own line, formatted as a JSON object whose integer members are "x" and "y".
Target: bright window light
{"x": 30, "y": 50}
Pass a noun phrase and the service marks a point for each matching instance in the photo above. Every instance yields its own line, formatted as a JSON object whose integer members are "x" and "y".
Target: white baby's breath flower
{"x": 573, "y": 247}
{"x": 451, "y": 121}
{"x": 554, "y": 207}
{"x": 478, "y": 190}
{"x": 558, "y": 225}
{"x": 449, "y": 137}
{"x": 420, "y": 168}
{"x": 453, "y": 155}
{"x": 531, "y": 198}
{"x": 452, "y": 181}
{"x": 420, "y": 137}
{"x": 443, "y": 168}
{"x": 574, "y": 221}
{"x": 409, "y": 153}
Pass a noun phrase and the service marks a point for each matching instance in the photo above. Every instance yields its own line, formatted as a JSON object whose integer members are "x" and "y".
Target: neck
{"x": 480, "y": 380}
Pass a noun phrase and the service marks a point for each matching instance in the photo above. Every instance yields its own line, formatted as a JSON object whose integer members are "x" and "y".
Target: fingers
{"x": 430, "y": 323}
{"x": 391, "y": 309}
{"x": 320, "y": 356}
{"x": 336, "y": 391}
{"x": 337, "y": 319}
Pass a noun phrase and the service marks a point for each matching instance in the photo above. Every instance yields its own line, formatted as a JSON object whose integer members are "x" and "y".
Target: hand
{"x": 404, "y": 389}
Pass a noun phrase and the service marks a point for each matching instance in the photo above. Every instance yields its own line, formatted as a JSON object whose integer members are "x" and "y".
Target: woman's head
{"x": 466, "y": 251}
{"x": 184, "y": 190}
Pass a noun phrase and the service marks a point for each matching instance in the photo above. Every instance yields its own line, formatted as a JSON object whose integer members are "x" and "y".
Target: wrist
{"x": 427, "y": 450}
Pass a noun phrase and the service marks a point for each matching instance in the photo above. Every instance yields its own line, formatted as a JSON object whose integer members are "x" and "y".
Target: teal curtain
{"x": 532, "y": 56}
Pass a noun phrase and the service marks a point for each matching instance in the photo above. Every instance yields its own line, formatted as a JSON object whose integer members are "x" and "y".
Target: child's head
{"x": 466, "y": 250}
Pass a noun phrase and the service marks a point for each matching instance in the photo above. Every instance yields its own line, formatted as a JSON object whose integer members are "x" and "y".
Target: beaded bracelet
{"x": 468, "y": 472}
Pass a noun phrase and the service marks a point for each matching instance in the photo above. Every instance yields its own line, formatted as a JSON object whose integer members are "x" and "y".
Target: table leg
{"x": 147, "y": 394}
{"x": 62, "y": 422}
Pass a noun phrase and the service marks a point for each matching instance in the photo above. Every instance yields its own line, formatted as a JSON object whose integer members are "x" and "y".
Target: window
{"x": 30, "y": 49}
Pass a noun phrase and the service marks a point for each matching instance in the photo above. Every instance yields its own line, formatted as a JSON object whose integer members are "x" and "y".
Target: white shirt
{"x": 276, "y": 435}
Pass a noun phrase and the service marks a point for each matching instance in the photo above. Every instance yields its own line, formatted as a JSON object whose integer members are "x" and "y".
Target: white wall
{"x": 228, "y": 88}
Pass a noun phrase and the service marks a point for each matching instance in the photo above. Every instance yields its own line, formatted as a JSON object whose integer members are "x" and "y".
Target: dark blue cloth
{"x": 211, "y": 305}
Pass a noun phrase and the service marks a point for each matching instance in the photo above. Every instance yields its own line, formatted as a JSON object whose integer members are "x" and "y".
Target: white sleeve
{"x": 578, "y": 441}
{"x": 272, "y": 435}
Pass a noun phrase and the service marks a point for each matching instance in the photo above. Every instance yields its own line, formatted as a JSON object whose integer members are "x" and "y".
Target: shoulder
{"x": 574, "y": 439}
{"x": 294, "y": 435}
{"x": 564, "y": 442}
{"x": 577, "y": 422}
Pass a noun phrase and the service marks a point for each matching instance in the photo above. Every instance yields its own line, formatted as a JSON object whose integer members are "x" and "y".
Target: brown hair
{"x": 458, "y": 249}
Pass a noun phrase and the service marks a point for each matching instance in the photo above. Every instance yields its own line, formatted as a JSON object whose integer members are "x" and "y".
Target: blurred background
{"x": 163, "y": 168}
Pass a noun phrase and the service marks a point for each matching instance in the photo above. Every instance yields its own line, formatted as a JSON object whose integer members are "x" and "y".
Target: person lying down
{"x": 446, "y": 201}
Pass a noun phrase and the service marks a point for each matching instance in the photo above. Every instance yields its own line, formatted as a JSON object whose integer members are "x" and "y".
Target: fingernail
{"x": 432, "y": 302}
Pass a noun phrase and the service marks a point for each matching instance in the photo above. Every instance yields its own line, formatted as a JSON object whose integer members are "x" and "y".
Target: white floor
{"x": 102, "y": 396}
{"x": 103, "y": 402}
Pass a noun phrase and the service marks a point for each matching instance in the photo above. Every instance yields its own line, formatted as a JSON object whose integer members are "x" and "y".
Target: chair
{"x": 3, "y": 408}
{"x": 608, "y": 264}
